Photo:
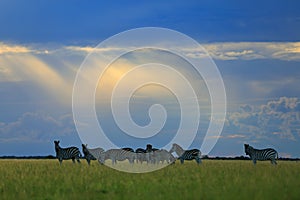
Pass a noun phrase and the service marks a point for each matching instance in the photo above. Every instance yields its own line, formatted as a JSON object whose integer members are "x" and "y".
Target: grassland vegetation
{"x": 213, "y": 179}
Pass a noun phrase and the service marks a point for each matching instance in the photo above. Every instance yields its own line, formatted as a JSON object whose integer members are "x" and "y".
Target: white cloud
{"x": 277, "y": 118}
{"x": 238, "y": 53}
{"x": 220, "y": 51}
{"x": 90, "y": 49}
{"x": 27, "y": 67}
{"x": 13, "y": 49}
{"x": 37, "y": 127}
{"x": 250, "y": 50}
{"x": 31, "y": 63}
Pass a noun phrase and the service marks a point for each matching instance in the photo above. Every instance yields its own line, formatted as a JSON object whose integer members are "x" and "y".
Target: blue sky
{"x": 255, "y": 46}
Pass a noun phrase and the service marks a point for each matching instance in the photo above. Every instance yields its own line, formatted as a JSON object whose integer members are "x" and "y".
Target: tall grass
{"x": 46, "y": 179}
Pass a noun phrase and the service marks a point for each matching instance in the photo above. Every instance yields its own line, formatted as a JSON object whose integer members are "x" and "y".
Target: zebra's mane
{"x": 251, "y": 147}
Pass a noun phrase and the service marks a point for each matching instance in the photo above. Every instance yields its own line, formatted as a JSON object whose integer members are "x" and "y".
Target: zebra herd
{"x": 150, "y": 155}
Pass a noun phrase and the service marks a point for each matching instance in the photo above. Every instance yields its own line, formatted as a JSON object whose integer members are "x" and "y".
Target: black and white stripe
{"x": 261, "y": 154}
{"x": 119, "y": 155}
{"x": 162, "y": 155}
{"x": 186, "y": 154}
{"x": 67, "y": 153}
{"x": 93, "y": 154}
{"x": 140, "y": 155}
{"x": 149, "y": 153}
{"x": 128, "y": 149}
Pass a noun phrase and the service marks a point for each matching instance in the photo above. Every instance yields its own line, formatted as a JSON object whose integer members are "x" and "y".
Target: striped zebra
{"x": 186, "y": 154}
{"x": 162, "y": 155}
{"x": 128, "y": 149}
{"x": 149, "y": 153}
{"x": 93, "y": 154}
{"x": 261, "y": 154}
{"x": 140, "y": 155}
{"x": 67, "y": 153}
{"x": 119, "y": 155}
{"x": 149, "y": 148}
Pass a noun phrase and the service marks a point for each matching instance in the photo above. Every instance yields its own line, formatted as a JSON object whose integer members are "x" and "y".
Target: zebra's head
{"x": 84, "y": 149}
{"x": 247, "y": 148}
{"x": 149, "y": 147}
{"x": 56, "y": 142}
{"x": 173, "y": 148}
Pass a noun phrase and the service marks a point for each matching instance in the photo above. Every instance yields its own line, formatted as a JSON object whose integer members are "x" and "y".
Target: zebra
{"x": 128, "y": 149}
{"x": 149, "y": 148}
{"x": 119, "y": 155}
{"x": 186, "y": 154}
{"x": 162, "y": 155}
{"x": 140, "y": 155}
{"x": 93, "y": 154}
{"x": 67, "y": 153}
{"x": 261, "y": 154}
{"x": 149, "y": 153}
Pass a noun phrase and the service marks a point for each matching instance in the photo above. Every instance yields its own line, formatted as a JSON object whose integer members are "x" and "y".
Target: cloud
{"x": 7, "y": 48}
{"x": 13, "y": 49}
{"x": 238, "y": 53}
{"x": 275, "y": 119}
{"x": 236, "y": 136}
{"x": 30, "y": 67}
{"x": 230, "y": 136}
{"x": 37, "y": 127}
{"x": 225, "y": 50}
{"x": 249, "y": 50}
{"x": 219, "y": 51}
{"x": 90, "y": 49}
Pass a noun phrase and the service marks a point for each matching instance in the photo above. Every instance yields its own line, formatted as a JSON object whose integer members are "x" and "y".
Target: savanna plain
{"x": 213, "y": 179}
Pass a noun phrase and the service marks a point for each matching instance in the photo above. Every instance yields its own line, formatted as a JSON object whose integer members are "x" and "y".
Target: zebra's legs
{"x": 60, "y": 161}
{"x": 181, "y": 160}
{"x": 254, "y": 161}
{"x": 273, "y": 161}
{"x": 100, "y": 162}
{"x": 73, "y": 160}
{"x": 78, "y": 160}
{"x": 198, "y": 160}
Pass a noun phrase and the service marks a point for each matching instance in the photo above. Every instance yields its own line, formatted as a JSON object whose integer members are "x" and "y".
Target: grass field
{"x": 45, "y": 179}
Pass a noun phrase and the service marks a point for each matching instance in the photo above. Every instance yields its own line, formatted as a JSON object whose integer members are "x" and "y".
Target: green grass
{"x": 45, "y": 179}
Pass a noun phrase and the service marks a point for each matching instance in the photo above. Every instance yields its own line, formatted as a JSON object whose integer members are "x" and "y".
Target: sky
{"x": 255, "y": 46}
